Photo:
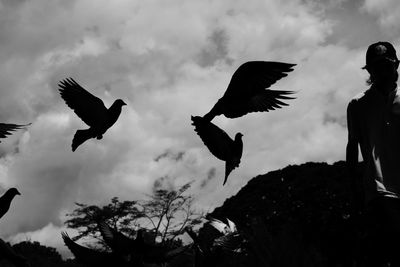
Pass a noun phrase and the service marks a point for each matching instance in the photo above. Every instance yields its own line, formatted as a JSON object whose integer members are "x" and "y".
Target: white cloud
{"x": 387, "y": 11}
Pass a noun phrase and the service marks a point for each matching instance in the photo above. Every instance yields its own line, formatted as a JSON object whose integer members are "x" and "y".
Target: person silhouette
{"x": 373, "y": 122}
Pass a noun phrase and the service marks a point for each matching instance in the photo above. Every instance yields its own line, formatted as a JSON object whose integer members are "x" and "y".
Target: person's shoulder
{"x": 358, "y": 97}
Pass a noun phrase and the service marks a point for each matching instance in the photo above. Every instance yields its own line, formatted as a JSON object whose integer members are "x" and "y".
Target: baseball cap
{"x": 378, "y": 51}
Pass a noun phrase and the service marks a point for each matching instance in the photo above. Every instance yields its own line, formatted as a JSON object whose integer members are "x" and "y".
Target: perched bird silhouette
{"x": 247, "y": 91}
{"x": 219, "y": 143}
{"x": 8, "y": 253}
{"x": 92, "y": 258}
{"x": 5, "y": 200}
{"x": 8, "y": 128}
{"x": 90, "y": 109}
{"x": 138, "y": 248}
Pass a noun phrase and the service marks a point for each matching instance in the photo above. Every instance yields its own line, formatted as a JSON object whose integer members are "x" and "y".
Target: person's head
{"x": 381, "y": 63}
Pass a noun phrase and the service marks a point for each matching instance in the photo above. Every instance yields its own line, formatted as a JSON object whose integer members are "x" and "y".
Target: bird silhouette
{"x": 214, "y": 241}
{"x": 230, "y": 238}
{"x": 90, "y": 109}
{"x": 247, "y": 91}
{"x": 219, "y": 143}
{"x": 138, "y": 248}
{"x": 8, "y": 253}
{"x": 8, "y": 128}
{"x": 5, "y": 200}
{"x": 93, "y": 258}
{"x": 118, "y": 242}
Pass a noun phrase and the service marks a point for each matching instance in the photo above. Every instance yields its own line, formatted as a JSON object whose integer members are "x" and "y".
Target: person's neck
{"x": 386, "y": 87}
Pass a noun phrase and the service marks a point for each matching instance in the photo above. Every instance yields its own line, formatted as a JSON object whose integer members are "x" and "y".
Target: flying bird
{"x": 219, "y": 143}
{"x": 5, "y": 200}
{"x": 118, "y": 242}
{"x": 8, "y": 253}
{"x": 213, "y": 240}
{"x": 90, "y": 109}
{"x": 8, "y": 128}
{"x": 93, "y": 258}
{"x": 137, "y": 248}
{"x": 247, "y": 91}
{"x": 230, "y": 238}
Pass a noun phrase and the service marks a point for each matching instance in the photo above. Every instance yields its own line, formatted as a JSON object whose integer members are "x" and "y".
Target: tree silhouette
{"x": 119, "y": 215}
{"x": 164, "y": 215}
{"x": 38, "y": 255}
{"x": 169, "y": 212}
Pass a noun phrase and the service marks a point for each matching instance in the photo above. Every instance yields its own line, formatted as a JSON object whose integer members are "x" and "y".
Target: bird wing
{"x": 8, "y": 128}
{"x": 217, "y": 140}
{"x": 230, "y": 165}
{"x": 232, "y": 225}
{"x": 255, "y": 76}
{"x": 229, "y": 242}
{"x": 88, "y": 107}
{"x": 115, "y": 240}
{"x": 267, "y": 100}
{"x": 84, "y": 254}
{"x": 219, "y": 225}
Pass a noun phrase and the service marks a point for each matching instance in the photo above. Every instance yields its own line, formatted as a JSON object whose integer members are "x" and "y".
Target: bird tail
{"x": 229, "y": 166}
{"x": 80, "y": 137}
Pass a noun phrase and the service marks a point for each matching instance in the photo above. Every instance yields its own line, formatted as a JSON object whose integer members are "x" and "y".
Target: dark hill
{"x": 305, "y": 213}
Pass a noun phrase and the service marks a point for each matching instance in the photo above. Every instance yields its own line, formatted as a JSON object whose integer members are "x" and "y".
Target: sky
{"x": 169, "y": 60}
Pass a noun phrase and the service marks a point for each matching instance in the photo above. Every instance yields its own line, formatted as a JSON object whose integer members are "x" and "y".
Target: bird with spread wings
{"x": 138, "y": 248}
{"x": 90, "y": 109}
{"x": 219, "y": 143}
{"x": 93, "y": 258}
{"x": 248, "y": 90}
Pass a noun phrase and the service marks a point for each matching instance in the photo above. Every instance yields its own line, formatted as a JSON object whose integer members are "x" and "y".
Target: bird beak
{"x": 18, "y": 193}
{"x": 123, "y": 103}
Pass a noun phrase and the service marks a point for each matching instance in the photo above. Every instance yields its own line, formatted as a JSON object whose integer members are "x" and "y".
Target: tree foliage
{"x": 119, "y": 215}
{"x": 164, "y": 214}
{"x": 169, "y": 212}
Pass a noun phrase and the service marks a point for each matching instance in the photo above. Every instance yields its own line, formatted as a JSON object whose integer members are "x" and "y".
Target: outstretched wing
{"x": 217, "y": 140}
{"x": 219, "y": 225}
{"x": 254, "y": 76}
{"x": 117, "y": 241}
{"x": 8, "y": 128}
{"x": 88, "y": 107}
{"x": 247, "y": 89}
{"x": 229, "y": 242}
{"x": 232, "y": 225}
{"x": 84, "y": 254}
{"x": 267, "y": 100}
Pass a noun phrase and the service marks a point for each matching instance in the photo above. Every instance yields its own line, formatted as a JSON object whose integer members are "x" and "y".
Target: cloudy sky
{"x": 169, "y": 60}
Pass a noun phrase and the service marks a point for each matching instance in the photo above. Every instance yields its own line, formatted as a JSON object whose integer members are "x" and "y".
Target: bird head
{"x": 238, "y": 136}
{"x": 120, "y": 102}
{"x": 13, "y": 191}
